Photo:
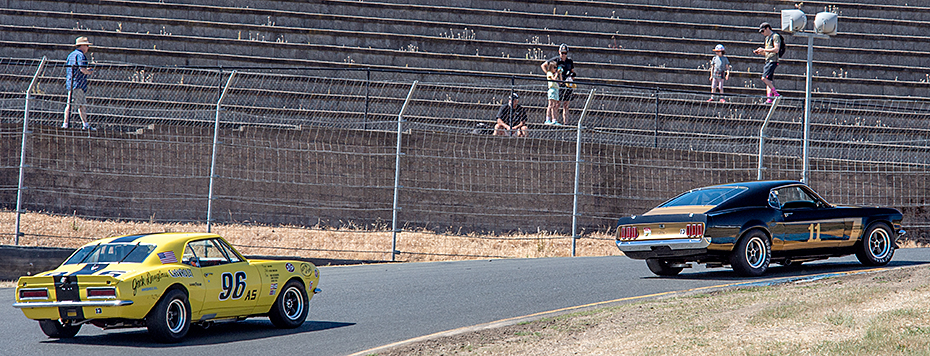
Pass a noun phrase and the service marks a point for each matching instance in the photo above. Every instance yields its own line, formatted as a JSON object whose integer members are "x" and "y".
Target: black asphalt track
{"x": 367, "y": 306}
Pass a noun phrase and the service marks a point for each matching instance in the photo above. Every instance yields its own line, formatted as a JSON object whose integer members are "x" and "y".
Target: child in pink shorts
{"x": 719, "y": 71}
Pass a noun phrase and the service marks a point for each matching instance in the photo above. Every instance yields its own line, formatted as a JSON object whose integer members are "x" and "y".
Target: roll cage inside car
{"x": 796, "y": 196}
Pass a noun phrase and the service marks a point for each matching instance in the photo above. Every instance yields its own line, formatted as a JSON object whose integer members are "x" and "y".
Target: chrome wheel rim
{"x": 755, "y": 252}
{"x": 293, "y": 303}
{"x": 176, "y": 316}
{"x": 879, "y": 243}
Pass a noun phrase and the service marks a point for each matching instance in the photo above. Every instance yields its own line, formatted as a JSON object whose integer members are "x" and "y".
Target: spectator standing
{"x": 566, "y": 68}
{"x": 552, "y": 94}
{"x": 511, "y": 119}
{"x": 773, "y": 43}
{"x": 719, "y": 71}
{"x": 76, "y": 80}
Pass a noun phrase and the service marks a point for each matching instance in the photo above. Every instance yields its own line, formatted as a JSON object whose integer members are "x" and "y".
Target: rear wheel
{"x": 169, "y": 320}
{"x": 55, "y": 329}
{"x": 752, "y": 254}
{"x": 290, "y": 309}
{"x": 662, "y": 267}
{"x": 877, "y": 245}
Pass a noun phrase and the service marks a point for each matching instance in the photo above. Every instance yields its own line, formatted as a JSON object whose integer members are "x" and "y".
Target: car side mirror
{"x": 773, "y": 199}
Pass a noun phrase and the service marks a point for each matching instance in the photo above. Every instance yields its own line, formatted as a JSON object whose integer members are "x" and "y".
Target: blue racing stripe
{"x": 90, "y": 269}
{"x": 127, "y": 239}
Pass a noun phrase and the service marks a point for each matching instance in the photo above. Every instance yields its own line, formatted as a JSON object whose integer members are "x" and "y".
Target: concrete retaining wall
{"x": 16, "y": 261}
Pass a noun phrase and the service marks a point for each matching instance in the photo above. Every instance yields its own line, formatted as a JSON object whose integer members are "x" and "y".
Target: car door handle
{"x": 788, "y": 214}
{"x": 207, "y": 274}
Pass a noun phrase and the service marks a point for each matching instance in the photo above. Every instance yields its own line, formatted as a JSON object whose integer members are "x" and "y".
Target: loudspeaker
{"x": 825, "y": 23}
{"x": 793, "y": 20}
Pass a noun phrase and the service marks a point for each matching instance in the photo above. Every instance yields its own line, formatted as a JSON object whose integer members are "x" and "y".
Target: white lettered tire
{"x": 877, "y": 245}
{"x": 170, "y": 319}
{"x": 291, "y": 307}
{"x": 752, "y": 254}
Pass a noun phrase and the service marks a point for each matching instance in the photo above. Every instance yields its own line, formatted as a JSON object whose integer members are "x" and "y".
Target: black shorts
{"x": 768, "y": 72}
{"x": 566, "y": 94}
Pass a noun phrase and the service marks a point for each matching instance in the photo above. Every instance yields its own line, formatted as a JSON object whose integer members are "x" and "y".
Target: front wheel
{"x": 290, "y": 309}
{"x": 752, "y": 254}
{"x": 877, "y": 246}
{"x": 662, "y": 267}
{"x": 169, "y": 320}
{"x": 56, "y": 330}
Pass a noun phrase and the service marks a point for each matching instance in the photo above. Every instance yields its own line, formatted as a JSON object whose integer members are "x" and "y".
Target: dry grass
{"x": 883, "y": 313}
{"x": 63, "y": 231}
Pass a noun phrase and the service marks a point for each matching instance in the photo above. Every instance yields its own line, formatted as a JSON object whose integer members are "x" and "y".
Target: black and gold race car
{"x": 750, "y": 225}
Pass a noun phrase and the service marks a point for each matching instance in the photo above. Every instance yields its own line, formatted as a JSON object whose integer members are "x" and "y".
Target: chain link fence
{"x": 380, "y": 152}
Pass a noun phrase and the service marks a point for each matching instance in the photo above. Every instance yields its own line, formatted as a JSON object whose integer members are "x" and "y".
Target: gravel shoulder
{"x": 876, "y": 313}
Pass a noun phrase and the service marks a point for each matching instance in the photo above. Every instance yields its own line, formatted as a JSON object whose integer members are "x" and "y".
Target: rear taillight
{"x": 629, "y": 233}
{"x": 101, "y": 292}
{"x": 695, "y": 230}
{"x": 35, "y": 293}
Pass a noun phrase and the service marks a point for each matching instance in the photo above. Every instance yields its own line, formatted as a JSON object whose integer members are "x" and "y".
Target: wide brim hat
{"x": 80, "y": 41}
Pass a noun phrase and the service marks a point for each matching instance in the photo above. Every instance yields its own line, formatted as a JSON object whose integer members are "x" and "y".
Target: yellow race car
{"x": 165, "y": 282}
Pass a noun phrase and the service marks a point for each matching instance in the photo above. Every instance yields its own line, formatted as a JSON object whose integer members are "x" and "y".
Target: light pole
{"x": 824, "y": 27}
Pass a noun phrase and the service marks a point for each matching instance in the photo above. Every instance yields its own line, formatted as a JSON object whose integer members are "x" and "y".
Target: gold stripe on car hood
{"x": 687, "y": 209}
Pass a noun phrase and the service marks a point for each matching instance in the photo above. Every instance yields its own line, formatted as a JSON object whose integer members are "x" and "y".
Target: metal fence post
{"x": 762, "y": 133}
{"x": 22, "y": 151}
{"x": 367, "y": 94}
{"x": 400, "y": 128}
{"x": 216, "y": 135}
{"x": 578, "y": 161}
{"x": 656, "y": 127}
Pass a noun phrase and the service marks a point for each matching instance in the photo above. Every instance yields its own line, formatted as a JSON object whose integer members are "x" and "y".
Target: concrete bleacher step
{"x": 645, "y": 67}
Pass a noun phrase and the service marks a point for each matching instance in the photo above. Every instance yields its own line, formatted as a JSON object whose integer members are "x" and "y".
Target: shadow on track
{"x": 220, "y": 333}
{"x": 779, "y": 271}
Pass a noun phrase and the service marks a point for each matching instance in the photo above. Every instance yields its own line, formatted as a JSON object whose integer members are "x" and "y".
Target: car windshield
{"x": 111, "y": 253}
{"x": 708, "y": 196}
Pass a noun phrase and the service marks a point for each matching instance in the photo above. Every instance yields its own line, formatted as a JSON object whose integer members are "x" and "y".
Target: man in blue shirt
{"x": 76, "y": 80}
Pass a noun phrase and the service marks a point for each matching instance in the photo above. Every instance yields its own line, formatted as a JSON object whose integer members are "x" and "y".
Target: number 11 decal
{"x": 812, "y": 229}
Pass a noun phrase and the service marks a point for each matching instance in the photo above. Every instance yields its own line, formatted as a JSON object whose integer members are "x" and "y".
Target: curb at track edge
{"x": 566, "y": 310}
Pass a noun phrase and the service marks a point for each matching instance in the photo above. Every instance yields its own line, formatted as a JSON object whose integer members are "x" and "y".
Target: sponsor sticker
{"x": 274, "y": 288}
{"x": 289, "y": 267}
{"x": 181, "y": 273}
{"x": 305, "y": 269}
{"x": 647, "y": 231}
{"x": 147, "y": 280}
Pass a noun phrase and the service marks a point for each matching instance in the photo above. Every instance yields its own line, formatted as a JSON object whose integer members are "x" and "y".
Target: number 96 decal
{"x": 233, "y": 286}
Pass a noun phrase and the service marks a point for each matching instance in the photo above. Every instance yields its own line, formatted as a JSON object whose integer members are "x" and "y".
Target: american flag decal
{"x": 167, "y": 257}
